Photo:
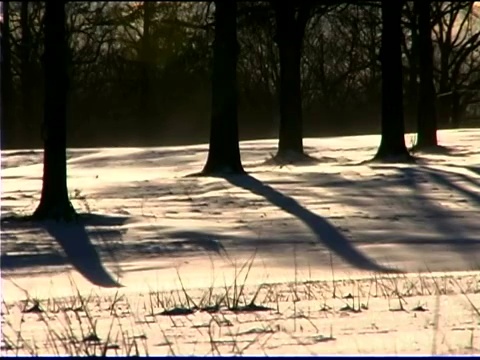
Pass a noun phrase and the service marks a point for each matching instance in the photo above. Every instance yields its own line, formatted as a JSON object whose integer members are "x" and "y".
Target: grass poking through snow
{"x": 312, "y": 317}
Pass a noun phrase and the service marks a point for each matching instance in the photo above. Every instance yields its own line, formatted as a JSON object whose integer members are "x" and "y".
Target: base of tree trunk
{"x": 431, "y": 149}
{"x": 59, "y": 212}
{"x": 392, "y": 158}
{"x": 222, "y": 170}
{"x": 218, "y": 172}
{"x": 290, "y": 157}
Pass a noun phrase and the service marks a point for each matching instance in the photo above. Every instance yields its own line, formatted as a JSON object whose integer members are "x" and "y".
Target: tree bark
{"x": 224, "y": 150}
{"x": 427, "y": 114}
{"x": 392, "y": 146}
{"x": 289, "y": 39}
{"x": 9, "y": 132}
{"x": 413, "y": 86}
{"x": 54, "y": 202}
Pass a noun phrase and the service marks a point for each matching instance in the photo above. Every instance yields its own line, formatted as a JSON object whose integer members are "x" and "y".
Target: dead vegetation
{"x": 308, "y": 317}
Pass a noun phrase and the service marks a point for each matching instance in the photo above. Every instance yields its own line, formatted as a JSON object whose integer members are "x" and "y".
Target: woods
{"x": 240, "y": 177}
{"x": 152, "y": 62}
{"x": 249, "y": 68}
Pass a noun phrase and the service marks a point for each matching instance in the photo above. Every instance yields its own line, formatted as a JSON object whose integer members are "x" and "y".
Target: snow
{"x": 151, "y": 222}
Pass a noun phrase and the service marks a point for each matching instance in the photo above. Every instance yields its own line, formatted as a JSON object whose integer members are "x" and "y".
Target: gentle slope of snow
{"x": 152, "y": 220}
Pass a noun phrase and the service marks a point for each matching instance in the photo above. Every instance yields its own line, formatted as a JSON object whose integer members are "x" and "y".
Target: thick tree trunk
{"x": 413, "y": 88}
{"x": 26, "y": 75}
{"x": 9, "y": 132}
{"x": 54, "y": 202}
{"x": 289, "y": 40}
{"x": 224, "y": 151}
{"x": 392, "y": 146}
{"x": 427, "y": 115}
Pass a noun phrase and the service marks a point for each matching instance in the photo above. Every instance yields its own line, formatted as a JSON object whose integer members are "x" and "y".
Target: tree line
{"x": 288, "y": 22}
{"x": 151, "y": 61}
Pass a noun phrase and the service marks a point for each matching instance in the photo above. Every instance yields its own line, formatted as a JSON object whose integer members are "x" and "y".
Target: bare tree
{"x": 291, "y": 22}
{"x": 427, "y": 116}
{"x": 340, "y": 67}
{"x": 457, "y": 35}
{"x": 392, "y": 146}
{"x": 54, "y": 201}
{"x": 411, "y": 49}
{"x": 224, "y": 150}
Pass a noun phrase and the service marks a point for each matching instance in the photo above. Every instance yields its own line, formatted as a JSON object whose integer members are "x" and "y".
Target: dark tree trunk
{"x": 26, "y": 75}
{"x": 289, "y": 38}
{"x": 54, "y": 202}
{"x": 392, "y": 146}
{"x": 412, "y": 93}
{"x": 9, "y": 132}
{"x": 224, "y": 151}
{"x": 427, "y": 114}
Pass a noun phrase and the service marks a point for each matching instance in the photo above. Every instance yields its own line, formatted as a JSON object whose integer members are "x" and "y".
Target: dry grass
{"x": 307, "y": 317}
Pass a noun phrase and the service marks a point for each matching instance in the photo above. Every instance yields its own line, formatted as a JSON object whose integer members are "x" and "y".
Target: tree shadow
{"x": 325, "y": 232}
{"x": 443, "y": 219}
{"x": 441, "y": 177}
{"x": 75, "y": 242}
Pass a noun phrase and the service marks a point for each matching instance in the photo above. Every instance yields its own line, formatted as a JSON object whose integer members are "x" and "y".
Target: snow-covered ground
{"x": 149, "y": 222}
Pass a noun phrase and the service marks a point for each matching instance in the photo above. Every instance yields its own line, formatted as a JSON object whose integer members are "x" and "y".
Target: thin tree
{"x": 224, "y": 150}
{"x": 54, "y": 201}
{"x": 427, "y": 114}
{"x": 458, "y": 42}
{"x": 392, "y": 146}
{"x": 6, "y": 106}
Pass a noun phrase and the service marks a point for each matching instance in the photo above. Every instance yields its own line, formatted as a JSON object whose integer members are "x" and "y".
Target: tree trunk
{"x": 9, "y": 132}
{"x": 427, "y": 115}
{"x": 412, "y": 94}
{"x": 392, "y": 146}
{"x": 224, "y": 151}
{"x": 26, "y": 75}
{"x": 54, "y": 202}
{"x": 289, "y": 40}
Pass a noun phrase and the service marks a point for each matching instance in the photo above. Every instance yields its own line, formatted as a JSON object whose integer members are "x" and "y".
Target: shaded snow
{"x": 339, "y": 212}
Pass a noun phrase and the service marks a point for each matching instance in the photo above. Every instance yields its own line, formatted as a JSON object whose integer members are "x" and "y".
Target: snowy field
{"x": 152, "y": 227}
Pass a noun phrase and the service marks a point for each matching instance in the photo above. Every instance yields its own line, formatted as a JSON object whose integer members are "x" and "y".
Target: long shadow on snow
{"x": 442, "y": 219}
{"x": 460, "y": 239}
{"x": 441, "y": 177}
{"x": 325, "y": 232}
{"x": 76, "y": 244}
